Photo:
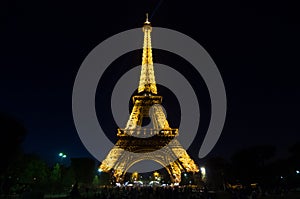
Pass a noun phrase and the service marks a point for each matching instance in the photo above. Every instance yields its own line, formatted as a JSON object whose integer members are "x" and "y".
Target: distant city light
{"x": 185, "y": 175}
{"x": 99, "y": 170}
{"x": 60, "y": 154}
{"x": 281, "y": 177}
{"x": 297, "y": 171}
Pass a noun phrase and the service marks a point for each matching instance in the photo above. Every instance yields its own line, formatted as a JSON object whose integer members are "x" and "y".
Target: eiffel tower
{"x": 158, "y": 143}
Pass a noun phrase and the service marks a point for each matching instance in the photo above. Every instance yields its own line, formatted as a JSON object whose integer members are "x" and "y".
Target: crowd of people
{"x": 146, "y": 192}
{"x": 174, "y": 192}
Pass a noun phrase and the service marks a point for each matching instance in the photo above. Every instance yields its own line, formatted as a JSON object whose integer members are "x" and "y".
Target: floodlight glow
{"x": 203, "y": 171}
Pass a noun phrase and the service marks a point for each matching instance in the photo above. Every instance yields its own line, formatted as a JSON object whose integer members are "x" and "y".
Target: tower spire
{"x": 147, "y": 20}
{"x": 147, "y": 79}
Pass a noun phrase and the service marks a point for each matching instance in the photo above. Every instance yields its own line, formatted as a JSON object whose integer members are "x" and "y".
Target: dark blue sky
{"x": 255, "y": 46}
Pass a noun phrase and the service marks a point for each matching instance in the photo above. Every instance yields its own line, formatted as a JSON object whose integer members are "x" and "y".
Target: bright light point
{"x": 64, "y": 156}
{"x": 281, "y": 177}
{"x": 100, "y": 170}
{"x": 60, "y": 154}
{"x": 203, "y": 171}
{"x": 297, "y": 171}
{"x": 185, "y": 175}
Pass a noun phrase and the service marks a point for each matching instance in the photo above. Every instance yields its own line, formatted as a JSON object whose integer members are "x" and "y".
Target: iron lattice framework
{"x": 157, "y": 143}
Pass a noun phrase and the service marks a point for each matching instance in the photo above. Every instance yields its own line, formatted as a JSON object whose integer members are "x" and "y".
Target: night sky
{"x": 255, "y": 46}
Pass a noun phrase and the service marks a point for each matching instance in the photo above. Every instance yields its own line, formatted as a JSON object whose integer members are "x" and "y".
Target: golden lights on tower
{"x": 147, "y": 79}
{"x": 161, "y": 144}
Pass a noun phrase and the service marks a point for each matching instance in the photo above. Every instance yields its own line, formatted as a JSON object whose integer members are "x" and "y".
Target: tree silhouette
{"x": 56, "y": 173}
{"x": 217, "y": 172}
{"x": 13, "y": 133}
{"x": 34, "y": 170}
{"x": 96, "y": 181}
{"x": 295, "y": 155}
{"x": 84, "y": 169}
{"x": 249, "y": 164}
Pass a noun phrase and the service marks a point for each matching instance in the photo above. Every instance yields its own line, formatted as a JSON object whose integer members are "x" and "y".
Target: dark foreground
{"x": 156, "y": 193}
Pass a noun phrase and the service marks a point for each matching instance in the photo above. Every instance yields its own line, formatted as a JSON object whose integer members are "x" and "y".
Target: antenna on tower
{"x": 147, "y": 19}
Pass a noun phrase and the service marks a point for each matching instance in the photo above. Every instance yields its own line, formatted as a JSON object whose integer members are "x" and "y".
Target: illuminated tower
{"x": 147, "y": 78}
{"x": 157, "y": 142}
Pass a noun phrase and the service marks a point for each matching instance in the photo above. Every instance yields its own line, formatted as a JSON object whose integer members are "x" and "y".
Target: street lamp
{"x": 62, "y": 155}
